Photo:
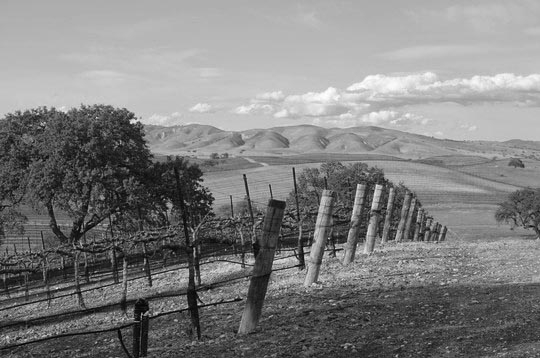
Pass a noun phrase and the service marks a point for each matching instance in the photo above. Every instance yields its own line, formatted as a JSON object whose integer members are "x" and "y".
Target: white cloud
{"x": 468, "y": 127}
{"x": 164, "y": 120}
{"x": 379, "y": 99}
{"x": 202, "y": 108}
{"x": 271, "y": 96}
{"x": 104, "y": 78}
{"x": 254, "y": 108}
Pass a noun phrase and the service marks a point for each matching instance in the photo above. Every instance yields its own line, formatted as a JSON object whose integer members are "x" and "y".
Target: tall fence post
{"x": 263, "y": 266}
{"x": 301, "y": 259}
{"x": 442, "y": 236}
{"x": 418, "y": 225}
{"x": 389, "y": 213}
{"x": 322, "y": 228}
{"x": 140, "y": 340}
{"x": 250, "y": 208}
{"x": 403, "y": 217}
{"x": 427, "y": 231}
{"x": 410, "y": 217}
{"x": 356, "y": 218}
{"x": 373, "y": 220}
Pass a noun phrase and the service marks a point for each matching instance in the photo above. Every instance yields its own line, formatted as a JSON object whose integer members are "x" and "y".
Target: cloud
{"x": 385, "y": 118}
{"x": 270, "y": 96}
{"x": 254, "y": 108}
{"x": 202, "y": 108}
{"x": 468, "y": 127}
{"x": 386, "y": 100}
{"x": 164, "y": 120}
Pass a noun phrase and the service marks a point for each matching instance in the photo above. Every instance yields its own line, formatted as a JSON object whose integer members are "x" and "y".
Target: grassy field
{"x": 464, "y": 195}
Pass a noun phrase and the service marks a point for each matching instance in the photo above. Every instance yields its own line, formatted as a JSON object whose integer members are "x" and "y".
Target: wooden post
{"x": 141, "y": 307}
{"x": 250, "y": 208}
{"x": 427, "y": 231}
{"x": 263, "y": 266}
{"x": 29, "y": 245}
{"x": 232, "y": 207}
{"x": 403, "y": 217}
{"x": 301, "y": 259}
{"x": 270, "y": 187}
{"x": 408, "y": 224}
{"x": 388, "y": 218}
{"x": 356, "y": 220}
{"x": 435, "y": 231}
{"x": 444, "y": 230}
{"x": 373, "y": 220}
{"x": 191, "y": 291}
{"x": 418, "y": 225}
{"x": 322, "y": 228}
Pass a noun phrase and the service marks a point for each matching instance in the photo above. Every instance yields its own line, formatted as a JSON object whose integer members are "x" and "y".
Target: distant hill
{"x": 201, "y": 140}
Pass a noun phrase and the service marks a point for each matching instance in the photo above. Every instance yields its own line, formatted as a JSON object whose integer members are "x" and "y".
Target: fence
{"x": 396, "y": 215}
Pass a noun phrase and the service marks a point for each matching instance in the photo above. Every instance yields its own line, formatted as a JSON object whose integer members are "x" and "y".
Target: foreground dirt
{"x": 453, "y": 299}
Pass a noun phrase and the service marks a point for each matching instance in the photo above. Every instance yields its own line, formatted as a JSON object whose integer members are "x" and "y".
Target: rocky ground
{"x": 452, "y": 299}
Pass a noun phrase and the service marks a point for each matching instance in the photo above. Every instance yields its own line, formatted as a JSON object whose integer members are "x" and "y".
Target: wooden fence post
{"x": 77, "y": 282}
{"x": 388, "y": 218}
{"x": 322, "y": 228}
{"x": 427, "y": 231}
{"x": 442, "y": 236}
{"x": 373, "y": 220}
{"x": 356, "y": 218}
{"x": 301, "y": 259}
{"x": 140, "y": 343}
{"x": 403, "y": 217}
{"x": 418, "y": 225}
{"x": 410, "y": 216}
{"x": 263, "y": 266}
{"x": 435, "y": 231}
{"x": 123, "y": 300}
{"x": 250, "y": 208}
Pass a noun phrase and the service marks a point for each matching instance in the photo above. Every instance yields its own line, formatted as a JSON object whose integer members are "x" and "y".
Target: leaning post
{"x": 373, "y": 220}
{"x": 356, "y": 218}
{"x": 408, "y": 223}
{"x": 403, "y": 217}
{"x": 322, "y": 228}
{"x": 418, "y": 225}
{"x": 263, "y": 266}
{"x": 388, "y": 218}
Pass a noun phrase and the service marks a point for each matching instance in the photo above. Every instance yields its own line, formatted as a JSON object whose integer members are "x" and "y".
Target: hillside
{"x": 202, "y": 140}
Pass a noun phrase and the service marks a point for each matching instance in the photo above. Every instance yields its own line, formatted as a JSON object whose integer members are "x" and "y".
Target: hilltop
{"x": 202, "y": 140}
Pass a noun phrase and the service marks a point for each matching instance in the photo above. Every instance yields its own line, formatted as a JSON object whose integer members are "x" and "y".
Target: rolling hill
{"x": 202, "y": 140}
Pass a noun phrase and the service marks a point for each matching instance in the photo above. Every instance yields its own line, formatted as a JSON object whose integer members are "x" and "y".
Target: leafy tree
{"x": 198, "y": 199}
{"x": 84, "y": 163}
{"x": 516, "y": 163}
{"x": 521, "y": 209}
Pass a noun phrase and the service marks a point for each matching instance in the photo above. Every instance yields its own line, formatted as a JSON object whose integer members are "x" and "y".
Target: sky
{"x": 460, "y": 69}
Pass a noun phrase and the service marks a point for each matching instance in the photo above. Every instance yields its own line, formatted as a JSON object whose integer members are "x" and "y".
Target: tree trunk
{"x": 147, "y": 265}
{"x": 77, "y": 282}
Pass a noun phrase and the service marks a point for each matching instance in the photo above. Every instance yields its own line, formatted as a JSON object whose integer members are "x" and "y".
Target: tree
{"x": 521, "y": 209}
{"x": 198, "y": 199}
{"x": 83, "y": 164}
{"x": 516, "y": 163}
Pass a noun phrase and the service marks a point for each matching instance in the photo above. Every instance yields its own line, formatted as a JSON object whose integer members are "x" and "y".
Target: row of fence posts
{"x": 267, "y": 241}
